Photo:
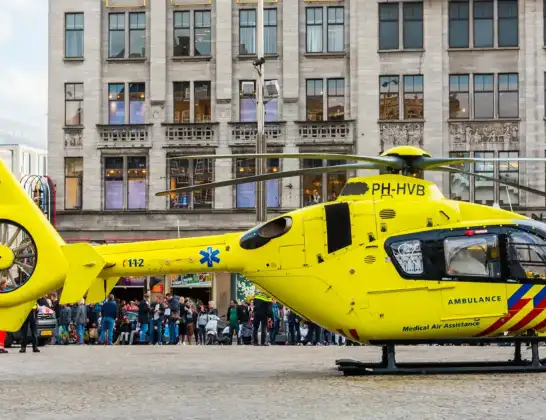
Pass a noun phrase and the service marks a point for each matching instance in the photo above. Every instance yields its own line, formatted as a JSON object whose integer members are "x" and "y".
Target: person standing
{"x": 80, "y": 319}
{"x": 261, "y": 310}
{"x": 144, "y": 317}
{"x": 109, "y": 314}
{"x": 30, "y": 326}
{"x": 3, "y": 288}
{"x": 233, "y": 319}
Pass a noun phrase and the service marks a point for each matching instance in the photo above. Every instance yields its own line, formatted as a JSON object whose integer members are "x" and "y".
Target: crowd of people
{"x": 173, "y": 320}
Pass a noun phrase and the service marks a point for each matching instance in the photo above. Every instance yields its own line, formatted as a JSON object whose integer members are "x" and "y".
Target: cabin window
{"x": 472, "y": 256}
{"x": 526, "y": 255}
{"x": 409, "y": 256}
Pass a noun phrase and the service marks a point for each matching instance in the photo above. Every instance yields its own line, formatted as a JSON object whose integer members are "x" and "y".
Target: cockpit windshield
{"x": 526, "y": 255}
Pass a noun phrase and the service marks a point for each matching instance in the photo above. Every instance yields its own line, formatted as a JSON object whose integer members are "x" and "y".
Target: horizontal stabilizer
{"x": 85, "y": 264}
{"x": 12, "y": 318}
{"x": 100, "y": 289}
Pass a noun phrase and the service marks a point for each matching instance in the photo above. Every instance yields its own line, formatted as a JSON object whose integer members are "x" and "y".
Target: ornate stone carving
{"x": 483, "y": 132}
{"x": 401, "y": 134}
{"x": 73, "y": 139}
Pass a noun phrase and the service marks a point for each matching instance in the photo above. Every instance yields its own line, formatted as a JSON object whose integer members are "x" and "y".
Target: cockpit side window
{"x": 263, "y": 234}
{"x": 472, "y": 256}
{"x": 409, "y": 256}
{"x": 526, "y": 256}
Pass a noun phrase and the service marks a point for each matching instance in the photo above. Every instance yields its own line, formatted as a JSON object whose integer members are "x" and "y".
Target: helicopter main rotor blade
{"x": 429, "y": 163}
{"x": 389, "y": 161}
{"x": 490, "y": 178}
{"x": 274, "y": 175}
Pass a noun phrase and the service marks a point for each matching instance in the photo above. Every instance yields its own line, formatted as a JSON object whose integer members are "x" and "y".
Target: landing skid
{"x": 389, "y": 365}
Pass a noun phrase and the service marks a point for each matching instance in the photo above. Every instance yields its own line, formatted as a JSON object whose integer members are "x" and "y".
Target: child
{"x": 125, "y": 329}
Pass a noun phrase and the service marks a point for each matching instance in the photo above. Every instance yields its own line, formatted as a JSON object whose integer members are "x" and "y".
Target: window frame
{"x": 327, "y": 31}
{"x": 66, "y": 100}
{"x": 314, "y": 25}
{"x": 451, "y": 19}
{"x": 324, "y": 179}
{"x": 131, "y": 30}
{"x": 500, "y": 170}
{"x": 246, "y": 26}
{"x": 325, "y": 87}
{"x": 499, "y": 91}
{"x": 124, "y": 30}
{"x": 406, "y": 5}
{"x": 514, "y": 19}
{"x": 125, "y": 175}
{"x": 188, "y": 28}
{"x": 242, "y": 96}
{"x": 328, "y": 96}
{"x": 80, "y": 208}
{"x": 185, "y": 85}
{"x": 193, "y": 32}
{"x": 276, "y": 27}
{"x": 492, "y": 92}
{"x": 235, "y": 166}
{"x": 191, "y": 182}
{"x": 406, "y": 92}
{"x": 493, "y": 19}
{"x": 393, "y": 78}
{"x": 382, "y": 21}
{"x": 67, "y": 30}
{"x": 467, "y": 92}
{"x": 125, "y": 117}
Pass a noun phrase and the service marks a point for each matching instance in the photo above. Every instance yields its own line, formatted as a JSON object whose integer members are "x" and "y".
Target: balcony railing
{"x": 121, "y": 136}
{"x": 400, "y": 133}
{"x": 201, "y": 134}
{"x": 244, "y": 133}
{"x": 325, "y": 132}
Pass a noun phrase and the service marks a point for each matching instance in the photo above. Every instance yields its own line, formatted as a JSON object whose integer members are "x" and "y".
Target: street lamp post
{"x": 261, "y": 164}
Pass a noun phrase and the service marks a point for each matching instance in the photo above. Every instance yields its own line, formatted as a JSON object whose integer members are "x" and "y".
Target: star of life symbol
{"x": 210, "y": 256}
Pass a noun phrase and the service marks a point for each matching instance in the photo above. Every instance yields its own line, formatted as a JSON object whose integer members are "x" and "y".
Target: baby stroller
{"x": 216, "y": 331}
{"x": 246, "y": 334}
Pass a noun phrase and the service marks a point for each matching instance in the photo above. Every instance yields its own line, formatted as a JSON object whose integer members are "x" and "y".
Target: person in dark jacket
{"x": 30, "y": 326}
{"x": 172, "y": 315}
{"x": 144, "y": 317}
{"x": 109, "y": 314}
{"x": 261, "y": 311}
{"x": 294, "y": 328}
{"x": 93, "y": 322}
{"x": 158, "y": 313}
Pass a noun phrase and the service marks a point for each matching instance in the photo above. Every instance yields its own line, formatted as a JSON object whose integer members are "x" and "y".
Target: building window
{"x": 508, "y": 23}
{"x": 389, "y": 98}
{"x": 245, "y": 195}
{"x": 388, "y": 26}
{"x": 125, "y": 183}
{"x": 247, "y": 32}
{"x": 202, "y": 33}
{"x": 181, "y": 102}
{"x": 315, "y": 99}
{"x": 413, "y": 25}
{"x": 458, "y": 24}
{"x": 484, "y": 190}
{"x": 484, "y": 96}
{"x": 336, "y": 29}
{"x": 137, "y": 97}
{"x": 413, "y": 98}
{"x": 137, "y": 35}
{"x": 182, "y": 35}
{"x": 314, "y": 33}
{"x": 116, "y": 41}
{"x": 459, "y": 184}
{"x": 508, "y": 102}
{"x": 247, "y": 103}
{"x": 73, "y": 183}
{"x": 73, "y": 104}
{"x": 509, "y": 171}
{"x": 315, "y": 187}
{"x": 202, "y": 107}
{"x": 270, "y": 31}
{"x": 73, "y": 35}
{"x": 184, "y": 173}
{"x": 483, "y": 24}
{"x": 116, "y": 103}
{"x": 336, "y": 99}
{"x": 459, "y": 96}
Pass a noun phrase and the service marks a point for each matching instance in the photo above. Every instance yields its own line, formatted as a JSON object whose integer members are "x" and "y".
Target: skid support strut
{"x": 389, "y": 366}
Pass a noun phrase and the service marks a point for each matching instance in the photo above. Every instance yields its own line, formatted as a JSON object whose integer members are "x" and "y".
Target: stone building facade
{"x": 133, "y": 83}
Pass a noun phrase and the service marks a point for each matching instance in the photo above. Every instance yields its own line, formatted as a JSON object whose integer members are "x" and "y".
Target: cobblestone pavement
{"x": 190, "y": 382}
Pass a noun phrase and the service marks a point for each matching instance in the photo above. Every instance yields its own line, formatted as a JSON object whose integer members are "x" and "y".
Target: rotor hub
{"x": 7, "y": 257}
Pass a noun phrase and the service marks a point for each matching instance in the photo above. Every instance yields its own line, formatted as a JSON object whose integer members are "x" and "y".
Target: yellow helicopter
{"x": 390, "y": 261}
